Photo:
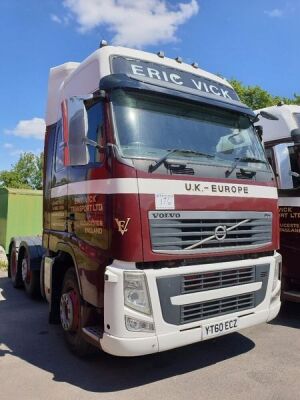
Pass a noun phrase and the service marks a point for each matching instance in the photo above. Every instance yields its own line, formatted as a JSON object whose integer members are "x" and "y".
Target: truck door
{"x": 287, "y": 160}
{"x": 88, "y": 205}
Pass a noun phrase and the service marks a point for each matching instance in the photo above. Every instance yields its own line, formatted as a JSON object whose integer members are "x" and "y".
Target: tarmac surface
{"x": 262, "y": 362}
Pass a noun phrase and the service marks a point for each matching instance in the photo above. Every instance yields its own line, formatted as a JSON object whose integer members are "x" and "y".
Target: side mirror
{"x": 269, "y": 116}
{"x": 75, "y": 124}
{"x": 265, "y": 115}
{"x": 295, "y": 134}
{"x": 283, "y": 166}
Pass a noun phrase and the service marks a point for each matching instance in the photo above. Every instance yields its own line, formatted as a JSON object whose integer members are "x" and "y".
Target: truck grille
{"x": 217, "y": 279}
{"x": 213, "y": 308}
{"x": 190, "y": 232}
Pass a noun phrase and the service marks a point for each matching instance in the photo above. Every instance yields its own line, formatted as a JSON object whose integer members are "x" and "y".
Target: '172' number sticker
{"x": 164, "y": 201}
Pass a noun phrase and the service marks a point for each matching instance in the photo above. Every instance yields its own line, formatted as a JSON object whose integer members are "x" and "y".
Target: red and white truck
{"x": 282, "y": 143}
{"x": 160, "y": 209}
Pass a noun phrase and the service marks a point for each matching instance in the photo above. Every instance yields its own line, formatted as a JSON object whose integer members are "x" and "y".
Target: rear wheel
{"x": 15, "y": 272}
{"x": 30, "y": 278}
{"x": 70, "y": 315}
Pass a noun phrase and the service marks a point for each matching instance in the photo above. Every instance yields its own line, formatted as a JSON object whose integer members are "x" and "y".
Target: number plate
{"x": 220, "y": 328}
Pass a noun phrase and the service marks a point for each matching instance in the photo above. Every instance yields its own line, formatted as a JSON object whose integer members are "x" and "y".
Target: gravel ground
{"x": 262, "y": 362}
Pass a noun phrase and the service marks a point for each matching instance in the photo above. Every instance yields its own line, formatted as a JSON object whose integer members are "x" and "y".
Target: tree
{"x": 295, "y": 100}
{"x": 255, "y": 97}
{"x": 25, "y": 174}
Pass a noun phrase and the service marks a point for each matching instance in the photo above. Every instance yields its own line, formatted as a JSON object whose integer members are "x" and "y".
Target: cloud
{"x": 8, "y": 145}
{"x": 56, "y": 19}
{"x": 134, "y": 23}
{"x": 275, "y": 13}
{"x": 30, "y": 128}
{"x": 62, "y": 21}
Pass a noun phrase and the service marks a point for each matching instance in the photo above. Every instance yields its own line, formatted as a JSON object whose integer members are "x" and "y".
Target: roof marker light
{"x": 103, "y": 43}
{"x": 161, "y": 54}
{"x": 179, "y": 60}
{"x": 195, "y": 65}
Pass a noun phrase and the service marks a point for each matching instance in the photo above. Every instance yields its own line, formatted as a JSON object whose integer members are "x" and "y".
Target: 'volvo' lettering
{"x": 166, "y": 215}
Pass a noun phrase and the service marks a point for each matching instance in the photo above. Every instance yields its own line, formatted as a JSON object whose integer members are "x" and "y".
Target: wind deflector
{"x": 128, "y": 81}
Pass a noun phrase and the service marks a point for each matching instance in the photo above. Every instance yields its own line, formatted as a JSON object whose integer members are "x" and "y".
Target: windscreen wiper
{"x": 158, "y": 163}
{"x": 243, "y": 159}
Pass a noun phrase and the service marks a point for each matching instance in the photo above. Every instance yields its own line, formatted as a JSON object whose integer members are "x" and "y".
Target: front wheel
{"x": 70, "y": 315}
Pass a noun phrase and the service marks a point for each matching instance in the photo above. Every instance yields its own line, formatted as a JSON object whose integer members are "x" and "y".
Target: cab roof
{"x": 288, "y": 119}
{"x": 73, "y": 78}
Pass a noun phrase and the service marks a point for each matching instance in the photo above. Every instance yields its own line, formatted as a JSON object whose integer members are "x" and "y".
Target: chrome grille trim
{"x": 190, "y": 232}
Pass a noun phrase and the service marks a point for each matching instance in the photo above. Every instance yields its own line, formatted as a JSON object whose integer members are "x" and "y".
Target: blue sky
{"x": 254, "y": 41}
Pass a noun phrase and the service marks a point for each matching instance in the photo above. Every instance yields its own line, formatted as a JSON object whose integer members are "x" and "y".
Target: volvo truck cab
{"x": 160, "y": 207}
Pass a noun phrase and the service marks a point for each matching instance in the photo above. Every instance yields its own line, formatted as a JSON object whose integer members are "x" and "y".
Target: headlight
{"x": 136, "y": 294}
{"x": 277, "y": 274}
{"x": 136, "y": 325}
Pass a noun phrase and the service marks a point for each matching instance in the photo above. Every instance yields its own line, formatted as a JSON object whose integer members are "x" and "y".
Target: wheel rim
{"x": 69, "y": 311}
{"x": 26, "y": 273}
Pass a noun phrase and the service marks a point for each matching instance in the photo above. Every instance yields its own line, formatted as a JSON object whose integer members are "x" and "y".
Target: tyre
{"x": 31, "y": 279}
{"x": 14, "y": 271}
{"x": 70, "y": 315}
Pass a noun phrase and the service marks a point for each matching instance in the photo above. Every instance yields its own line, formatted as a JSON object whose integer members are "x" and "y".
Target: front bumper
{"x": 117, "y": 340}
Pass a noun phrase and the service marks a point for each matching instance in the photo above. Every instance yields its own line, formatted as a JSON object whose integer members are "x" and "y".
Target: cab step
{"x": 94, "y": 332}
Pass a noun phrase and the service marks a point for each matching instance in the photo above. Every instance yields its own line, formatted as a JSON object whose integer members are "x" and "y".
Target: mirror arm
{"x": 294, "y": 174}
{"x": 256, "y": 118}
{"x": 91, "y": 142}
{"x": 99, "y": 94}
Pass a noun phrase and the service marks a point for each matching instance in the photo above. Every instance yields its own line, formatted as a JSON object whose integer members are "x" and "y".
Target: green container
{"x": 21, "y": 214}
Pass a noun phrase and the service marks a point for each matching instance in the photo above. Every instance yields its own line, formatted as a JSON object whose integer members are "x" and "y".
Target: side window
{"x": 294, "y": 152}
{"x": 59, "y": 148}
{"x": 297, "y": 118}
{"x": 96, "y": 129}
{"x": 270, "y": 157}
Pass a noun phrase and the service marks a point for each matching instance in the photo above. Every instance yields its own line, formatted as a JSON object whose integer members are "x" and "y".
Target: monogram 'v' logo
{"x": 122, "y": 225}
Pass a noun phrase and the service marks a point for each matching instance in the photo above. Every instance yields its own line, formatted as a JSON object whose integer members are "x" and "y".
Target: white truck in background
{"x": 281, "y": 138}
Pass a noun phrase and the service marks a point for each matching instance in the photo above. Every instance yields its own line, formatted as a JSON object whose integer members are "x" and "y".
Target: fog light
{"x": 136, "y": 325}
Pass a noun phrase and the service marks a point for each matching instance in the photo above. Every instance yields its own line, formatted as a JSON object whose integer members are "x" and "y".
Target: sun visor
{"x": 129, "y": 81}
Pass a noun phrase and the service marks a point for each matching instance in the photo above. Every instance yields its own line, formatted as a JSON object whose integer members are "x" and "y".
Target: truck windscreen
{"x": 148, "y": 126}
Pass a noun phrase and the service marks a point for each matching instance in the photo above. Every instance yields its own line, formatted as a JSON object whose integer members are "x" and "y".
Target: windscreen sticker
{"x": 164, "y": 201}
